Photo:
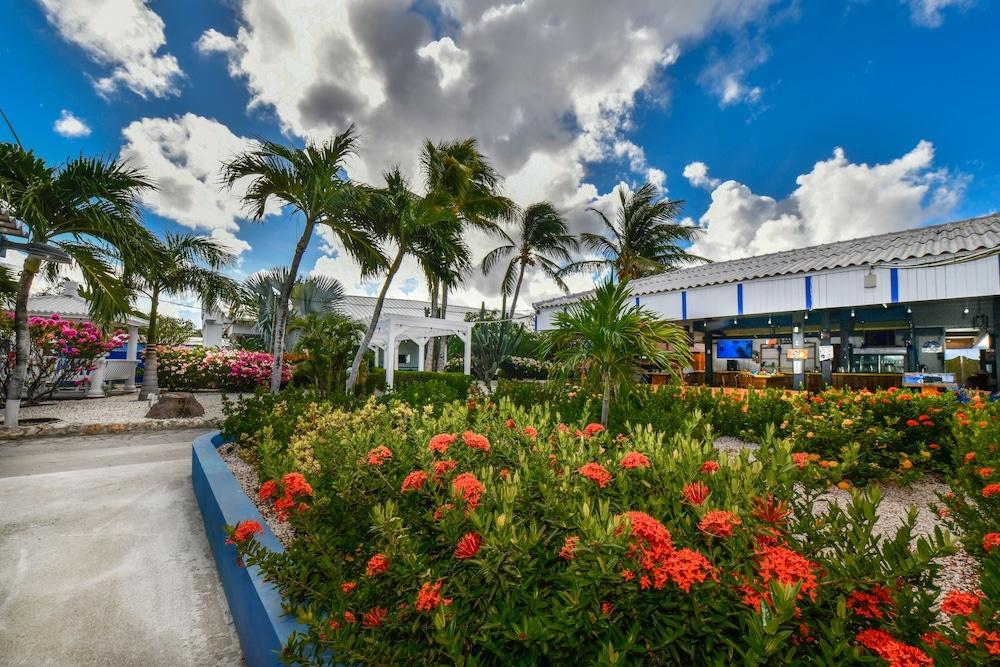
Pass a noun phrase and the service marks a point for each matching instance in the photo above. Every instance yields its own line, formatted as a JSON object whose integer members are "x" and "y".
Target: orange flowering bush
{"x": 545, "y": 547}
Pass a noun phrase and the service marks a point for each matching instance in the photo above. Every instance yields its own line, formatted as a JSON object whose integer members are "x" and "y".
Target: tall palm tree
{"x": 606, "y": 336}
{"x": 642, "y": 240}
{"x": 312, "y": 295}
{"x": 311, "y": 181}
{"x": 87, "y": 207}
{"x": 414, "y": 225}
{"x": 190, "y": 265}
{"x": 544, "y": 241}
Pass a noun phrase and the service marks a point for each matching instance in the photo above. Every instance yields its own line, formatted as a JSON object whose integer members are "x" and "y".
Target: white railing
{"x": 112, "y": 370}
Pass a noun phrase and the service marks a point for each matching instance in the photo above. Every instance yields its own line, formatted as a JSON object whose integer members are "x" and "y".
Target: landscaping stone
{"x": 176, "y": 406}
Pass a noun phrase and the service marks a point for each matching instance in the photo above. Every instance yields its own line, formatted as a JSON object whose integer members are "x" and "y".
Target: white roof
{"x": 68, "y": 304}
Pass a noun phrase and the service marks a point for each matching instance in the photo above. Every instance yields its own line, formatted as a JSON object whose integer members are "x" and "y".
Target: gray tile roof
{"x": 922, "y": 242}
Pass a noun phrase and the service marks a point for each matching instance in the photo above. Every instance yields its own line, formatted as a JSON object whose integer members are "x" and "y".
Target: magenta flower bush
{"x": 208, "y": 368}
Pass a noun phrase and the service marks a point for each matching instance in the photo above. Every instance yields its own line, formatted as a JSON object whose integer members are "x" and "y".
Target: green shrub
{"x": 427, "y": 392}
{"x": 459, "y": 382}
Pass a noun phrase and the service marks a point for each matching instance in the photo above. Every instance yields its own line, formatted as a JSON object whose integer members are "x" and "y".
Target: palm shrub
{"x": 325, "y": 346}
{"x": 605, "y": 337}
{"x": 496, "y": 535}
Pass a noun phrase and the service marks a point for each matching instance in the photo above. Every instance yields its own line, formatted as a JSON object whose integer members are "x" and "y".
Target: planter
{"x": 255, "y": 605}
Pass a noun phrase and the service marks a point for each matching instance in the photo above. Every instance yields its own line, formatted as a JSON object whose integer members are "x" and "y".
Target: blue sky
{"x": 570, "y": 100}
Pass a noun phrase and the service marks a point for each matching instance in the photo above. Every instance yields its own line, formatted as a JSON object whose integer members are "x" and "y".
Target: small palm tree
{"x": 544, "y": 241}
{"x": 88, "y": 208}
{"x": 606, "y": 337}
{"x": 190, "y": 265}
{"x": 311, "y": 181}
{"x": 643, "y": 239}
{"x": 258, "y": 298}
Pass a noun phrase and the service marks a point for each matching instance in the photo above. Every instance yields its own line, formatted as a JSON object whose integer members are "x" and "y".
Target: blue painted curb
{"x": 255, "y": 605}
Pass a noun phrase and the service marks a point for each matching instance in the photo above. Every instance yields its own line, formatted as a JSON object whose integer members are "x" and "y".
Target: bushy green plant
{"x": 428, "y": 392}
{"x": 459, "y": 382}
{"x": 324, "y": 348}
{"x": 493, "y": 534}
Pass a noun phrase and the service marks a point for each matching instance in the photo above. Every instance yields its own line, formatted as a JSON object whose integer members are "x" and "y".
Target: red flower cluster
{"x": 468, "y": 546}
{"x": 476, "y": 441}
{"x": 245, "y": 530}
{"x": 985, "y": 472}
{"x": 531, "y": 432}
{"x": 440, "y": 442}
{"x": 349, "y": 617}
{"x": 696, "y": 493}
{"x": 607, "y": 608}
{"x": 719, "y": 523}
{"x": 895, "y": 652}
{"x": 686, "y": 567}
{"x": 969, "y": 457}
{"x": 710, "y": 467}
{"x": 267, "y": 489}
{"x": 960, "y": 603}
{"x": 377, "y": 564}
{"x": 989, "y": 640}
{"x": 429, "y": 598}
{"x": 991, "y": 490}
{"x": 633, "y": 460}
{"x": 991, "y": 541}
{"x": 348, "y": 586}
{"x": 374, "y": 617}
{"x": 511, "y": 424}
{"x": 379, "y": 455}
{"x": 442, "y": 468}
{"x": 592, "y": 429}
{"x": 769, "y": 510}
{"x": 568, "y": 550}
{"x": 295, "y": 486}
{"x": 868, "y": 604}
{"x": 470, "y": 488}
{"x": 595, "y": 472}
{"x": 801, "y": 459}
{"x": 787, "y": 567}
{"x": 414, "y": 481}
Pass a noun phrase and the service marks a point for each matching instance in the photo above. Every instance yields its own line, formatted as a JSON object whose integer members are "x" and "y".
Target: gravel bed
{"x": 248, "y": 479}
{"x": 117, "y": 409}
{"x": 731, "y": 445}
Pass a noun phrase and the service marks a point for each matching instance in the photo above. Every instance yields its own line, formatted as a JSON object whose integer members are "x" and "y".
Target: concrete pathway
{"x": 103, "y": 556}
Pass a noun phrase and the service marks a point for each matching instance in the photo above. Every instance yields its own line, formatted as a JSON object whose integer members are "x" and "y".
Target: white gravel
{"x": 118, "y": 409}
{"x": 246, "y": 475}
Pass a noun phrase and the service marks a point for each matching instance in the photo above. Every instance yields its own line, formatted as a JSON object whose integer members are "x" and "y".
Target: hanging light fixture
{"x": 852, "y": 312}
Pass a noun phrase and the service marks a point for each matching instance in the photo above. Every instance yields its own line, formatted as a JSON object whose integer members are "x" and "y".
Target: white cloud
{"x": 836, "y": 200}
{"x": 183, "y": 155}
{"x": 125, "y": 35}
{"x": 69, "y": 125}
{"x": 930, "y": 13}
{"x": 697, "y": 175}
{"x": 546, "y": 86}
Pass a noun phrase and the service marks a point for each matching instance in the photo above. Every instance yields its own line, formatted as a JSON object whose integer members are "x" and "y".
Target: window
{"x": 404, "y": 359}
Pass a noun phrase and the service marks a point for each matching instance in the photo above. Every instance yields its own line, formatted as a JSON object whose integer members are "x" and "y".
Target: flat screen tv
{"x": 734, "y": 348}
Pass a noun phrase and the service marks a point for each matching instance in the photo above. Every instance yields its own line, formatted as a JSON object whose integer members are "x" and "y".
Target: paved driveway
{"x": 103, "y": 556}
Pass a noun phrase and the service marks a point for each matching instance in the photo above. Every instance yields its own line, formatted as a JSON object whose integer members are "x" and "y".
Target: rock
{"x": 176, "y": 405}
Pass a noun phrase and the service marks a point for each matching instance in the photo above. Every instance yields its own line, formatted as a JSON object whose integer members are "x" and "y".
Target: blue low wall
{"x": 254, "y": 605}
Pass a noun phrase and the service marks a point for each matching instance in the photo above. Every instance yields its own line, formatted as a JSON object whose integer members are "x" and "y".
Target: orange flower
{"x": 592, "y": 429}
{"x": 569, "y": 547}
{"x": 787, "y": 567}
{"x": 442, "y": 468}
{"x": 711, "y": 467}
{"x": 470, "y": 489}
{"x": 476, "y": 441}
{"x": 468, "y": 546}
{"x": 686, "y": 567}
{"x": 595, "y": 472}
{"x": 440, "y": 442}
{"x": 349, "y": 617}
{"x": 266, "y": 490}
{"x": 895, "y": 652}
{"x": 296, "y": 485}
{"x": 348, "y": 586}
{"x": 769, "y": 510}
{"x": 504, "y": 473}
{"x": 440, "y": 511}
{"x": 633, "y": 460}
{"x": 511, "y": 424}
{"x": 607, "y": 608}
{"x": 531, "y": 432}
{"x": 991, "y": 490}
{"x": 719, "y": 523}
{"x": 696, "y": 493}
{"x": 989, "y": 640}
{"x": 969, "y": 457}
{"x": 984, "y": 472}
{"x": 960, "y": 603}
{"x": 377, "y": 564}
{"x": 414, "y": 481}
{"x": 374, "y": 617}
{"x": 628, "y": 575}
{"x": 429, "y": 597}
{"x": 801, "y": 459}
{"x": 379, "y": 455}
{"x": 868, "y": 603}
{"x": 244, "y": 531}
{"x": 991, "y": 541}
{"x": 282, "y": 506}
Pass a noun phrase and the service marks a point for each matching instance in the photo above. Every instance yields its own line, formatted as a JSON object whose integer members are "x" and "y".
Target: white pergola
{"x": 392, "y": 329}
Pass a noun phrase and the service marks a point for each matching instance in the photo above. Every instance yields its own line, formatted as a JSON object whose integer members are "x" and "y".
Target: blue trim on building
{"x": 739, "y": 298}
{"x": 255, "y": 606}
{"x": 636, "y": 302}
{"x": 536, "y": 321}
{"x": 684, "y": 305}
{"x": 894, "y": 285}
{"x": 809, "y": 293}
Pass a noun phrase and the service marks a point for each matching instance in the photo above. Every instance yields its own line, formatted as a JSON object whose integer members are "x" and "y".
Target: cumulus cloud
{"x": 697, "y": 175}
{"x": 930, "y": 13}
{"x": 183, "y": 155}
{"x": 69, "y": 125}
{"x": 547, "y": 86}
{"x": 125, "y": 35}
{"x": 836, "y": 200}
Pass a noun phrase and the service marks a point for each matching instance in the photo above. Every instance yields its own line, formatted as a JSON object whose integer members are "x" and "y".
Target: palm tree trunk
{"x": 431, "y": 353}
{"x": 443, "y": 347}
{"x": 149, "y": 360}
{"x": 22, "y": 342}
{"x": 390, "y": 356}
{"x": 606, "y": 401}
{"x": 517, "y": 291}
{"x": 281, "y": 311}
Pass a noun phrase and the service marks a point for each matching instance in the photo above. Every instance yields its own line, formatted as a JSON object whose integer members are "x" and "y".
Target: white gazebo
{"x": 395, "y": 328}
{"x": 69, "y": 305}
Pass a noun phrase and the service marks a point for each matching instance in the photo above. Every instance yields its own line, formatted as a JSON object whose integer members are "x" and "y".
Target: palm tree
{"x": 313, "y": 295}
{"x": 422, "y": 226}
{"x": 88, "y": 208}
{"x": 643, "y": 239}
{"x": 311, "y": 181}
{"x": 605, "y": 337}
{"x": 190, "y": 265}
{"x": 544, "y": 241}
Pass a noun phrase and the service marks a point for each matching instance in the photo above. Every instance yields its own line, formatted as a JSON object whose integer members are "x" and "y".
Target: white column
{"x": 97, "y": 379}
{"x": 390, "y": 357}
{"x": 131, "y": 354}
{"x": 421, "y": 345}
{"x": 467, "y": 338}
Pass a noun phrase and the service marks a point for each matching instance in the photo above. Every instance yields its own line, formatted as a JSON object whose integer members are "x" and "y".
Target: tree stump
{"x": 178, "y": 405}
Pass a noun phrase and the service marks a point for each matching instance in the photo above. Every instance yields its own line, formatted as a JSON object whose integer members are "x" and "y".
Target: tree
{"x": 606, "y": 337}
{"x": 312, "y": 182}
{"x": 171, "y": 330}
{"x": 326, "y": 345}
{"x": 543, "y": 240}
{"x": 88, "y": 208}
{"x": 643, "y": 239}
{"x": 422, "y": 226}
{"x": 315, "y": 295}
{"x": 189, "y": 265}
